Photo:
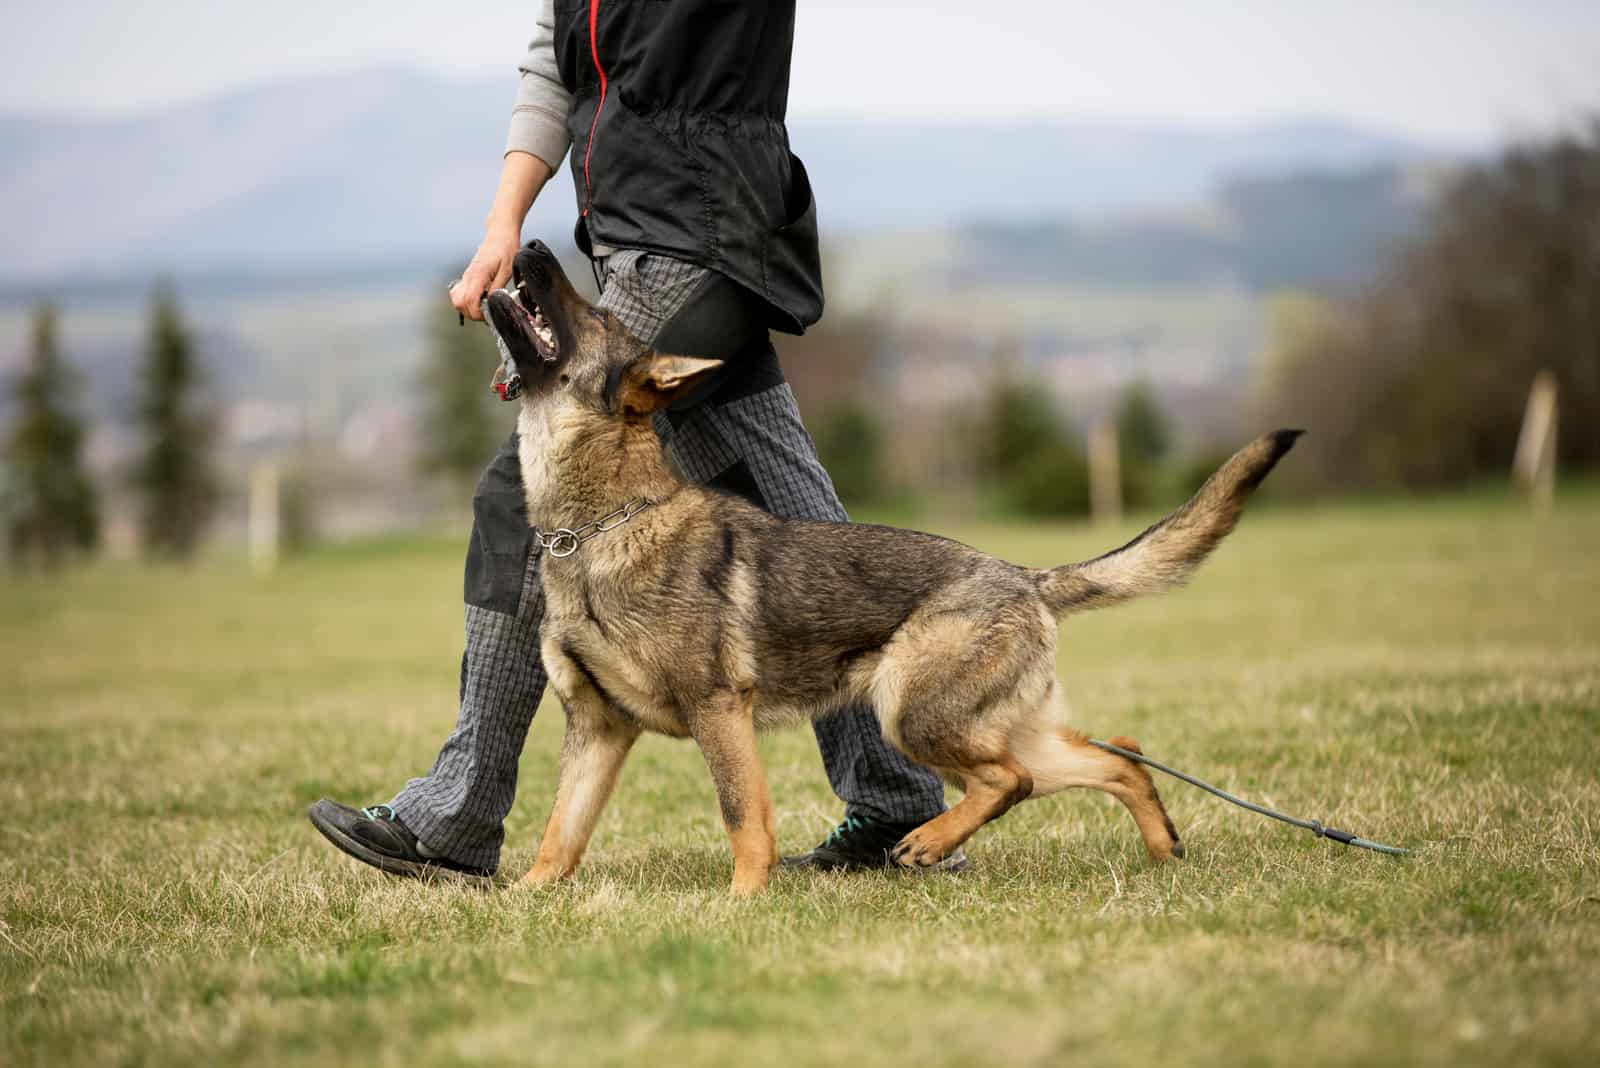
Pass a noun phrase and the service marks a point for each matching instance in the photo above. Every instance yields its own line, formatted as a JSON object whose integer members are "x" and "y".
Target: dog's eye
{"x": 566, "y": 380}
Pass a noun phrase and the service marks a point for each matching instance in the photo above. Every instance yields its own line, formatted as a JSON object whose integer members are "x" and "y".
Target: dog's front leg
{"x": 592, "y": 754}
{"x": 591, "y": 757}
{"x": 725, "y": 730}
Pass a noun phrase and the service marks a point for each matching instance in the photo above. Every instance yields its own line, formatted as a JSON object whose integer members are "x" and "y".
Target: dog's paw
{"x": 748, "y": 884}
{"x": 918, "y": 849}
{"x": 543, "y": 875}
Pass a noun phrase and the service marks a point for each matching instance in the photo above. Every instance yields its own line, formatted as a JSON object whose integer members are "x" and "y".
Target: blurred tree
{"x": 830, "y": 368}
{"x": 462, "y": 421}
{"x": 1020, "y": 418}
{"x": 50, "y": 510}
{"x": 298, "y": 527}
{"x": 850, "y": 444}
{"x": 1144, "y": 437}
{"x": 1054, "y": 481}
{"x": 1026, "y": 452}
{"x": 1143, "y": 432}
{"x": 174, "y": 472}
{"x": 1422, "y": 380}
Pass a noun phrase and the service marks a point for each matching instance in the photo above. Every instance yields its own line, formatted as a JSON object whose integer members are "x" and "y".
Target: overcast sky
{"x": 1464, "y": 71}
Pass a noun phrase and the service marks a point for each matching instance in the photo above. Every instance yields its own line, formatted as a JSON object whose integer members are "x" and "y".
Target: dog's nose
{"x": 532, "y": 265}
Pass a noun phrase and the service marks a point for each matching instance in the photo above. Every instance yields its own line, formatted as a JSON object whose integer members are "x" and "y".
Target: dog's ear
{"x": 653, "y": 381}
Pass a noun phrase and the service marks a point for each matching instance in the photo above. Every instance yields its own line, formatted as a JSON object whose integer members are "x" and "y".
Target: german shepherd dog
{"x": 697, "y": 615}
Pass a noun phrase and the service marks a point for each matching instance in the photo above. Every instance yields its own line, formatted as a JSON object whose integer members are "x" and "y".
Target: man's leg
{"x": 458, "y": 809}
{"x": 747, "y": 437}
{"x": 452, "y": 817}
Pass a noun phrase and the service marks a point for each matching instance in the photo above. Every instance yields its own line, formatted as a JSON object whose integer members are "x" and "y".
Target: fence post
{"x": 1534, "y": 468}
{"x": 263, "y": 520}
{"x": 1105, "y": 473}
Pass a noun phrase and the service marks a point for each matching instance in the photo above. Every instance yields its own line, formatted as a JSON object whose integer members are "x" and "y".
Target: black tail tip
{"x": 1279, "y": 442}
{"x": 1283, "y": 441}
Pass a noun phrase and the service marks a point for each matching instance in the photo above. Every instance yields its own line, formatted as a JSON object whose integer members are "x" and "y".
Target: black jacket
{"x": 678, "y": 141}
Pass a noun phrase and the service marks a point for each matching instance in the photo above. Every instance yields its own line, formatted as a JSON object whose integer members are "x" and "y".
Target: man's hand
{"x": 521, "y": 178}
{"x": 490, "y": 269}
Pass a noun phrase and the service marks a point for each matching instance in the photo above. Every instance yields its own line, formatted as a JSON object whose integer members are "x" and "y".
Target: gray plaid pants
{"x": 743, "y": 434}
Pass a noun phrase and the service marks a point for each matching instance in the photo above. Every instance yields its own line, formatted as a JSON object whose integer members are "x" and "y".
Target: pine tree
{"x": 850, "y": 444}
{"x": 1026, "y": 451}
{"x": 461, "y": 421}
{"x": 50, "y": 509}
{"x": 174, "y": 473}
{"x": 1142, "y": 427}
{"x": 1145, "y": 437}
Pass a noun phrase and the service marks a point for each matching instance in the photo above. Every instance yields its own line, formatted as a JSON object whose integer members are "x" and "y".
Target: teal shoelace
{"x": 378, "y": 812}
{"x": 850, "y": 825}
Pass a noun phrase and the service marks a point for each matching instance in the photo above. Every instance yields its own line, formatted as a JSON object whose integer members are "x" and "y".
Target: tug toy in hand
{"x": 507, "y": 382}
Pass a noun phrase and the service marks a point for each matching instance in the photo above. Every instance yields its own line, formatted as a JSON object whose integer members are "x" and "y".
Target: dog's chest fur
{"x": 656, "y": 618}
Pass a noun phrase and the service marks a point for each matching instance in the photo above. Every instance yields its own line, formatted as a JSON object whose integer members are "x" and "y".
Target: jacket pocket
{"x": 791, "y": 262}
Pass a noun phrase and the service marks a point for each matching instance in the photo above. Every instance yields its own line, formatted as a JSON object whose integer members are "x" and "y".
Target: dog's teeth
{"x": 542, "y": 328}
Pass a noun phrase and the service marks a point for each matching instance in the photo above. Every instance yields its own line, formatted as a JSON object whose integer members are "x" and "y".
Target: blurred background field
{"x": 1424, "y": 674}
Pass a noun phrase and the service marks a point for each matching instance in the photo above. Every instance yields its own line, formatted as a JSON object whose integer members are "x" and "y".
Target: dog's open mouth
{"x": 539, "y": 328}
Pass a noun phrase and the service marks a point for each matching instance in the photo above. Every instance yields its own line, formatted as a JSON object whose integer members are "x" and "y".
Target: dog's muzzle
{"x": 507, "y": 382}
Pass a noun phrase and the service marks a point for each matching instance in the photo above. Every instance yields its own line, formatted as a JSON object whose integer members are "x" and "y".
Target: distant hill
{"x": 390, "y": 169}
{"x": 1308, "y": 230}
{"x": 914, "y": 177}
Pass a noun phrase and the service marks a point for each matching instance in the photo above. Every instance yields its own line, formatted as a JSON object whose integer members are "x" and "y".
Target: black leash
{"x": 1314, "y": 826}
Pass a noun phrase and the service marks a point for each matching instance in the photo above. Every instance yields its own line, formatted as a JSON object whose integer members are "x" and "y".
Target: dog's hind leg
{"x": 948, "y": 693}
{"x": 1061, "y": 759}
{"x": 990, "y": 791}
{"x": 725, "y": 730}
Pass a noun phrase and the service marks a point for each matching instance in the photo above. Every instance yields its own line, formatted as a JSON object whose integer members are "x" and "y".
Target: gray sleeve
{"x": 539, "y": 120}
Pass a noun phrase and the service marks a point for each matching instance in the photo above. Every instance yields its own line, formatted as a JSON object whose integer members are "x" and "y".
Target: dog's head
{"x": 579, "y": 365}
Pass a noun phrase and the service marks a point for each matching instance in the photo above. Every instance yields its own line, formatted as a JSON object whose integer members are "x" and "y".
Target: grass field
{"x": 1427, "y": 674}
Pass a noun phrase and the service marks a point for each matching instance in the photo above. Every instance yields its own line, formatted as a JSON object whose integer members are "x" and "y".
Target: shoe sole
{"x": 404, "y": 869}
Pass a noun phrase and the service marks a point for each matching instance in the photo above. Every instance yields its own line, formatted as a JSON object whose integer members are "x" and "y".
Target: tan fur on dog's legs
{"x": 591, "y": 757}
{"x": 990, "y": 791}
{"x": 1137, "y": 790}
{"x": 1061, "y": 759}
{"x": 726, "y": 733}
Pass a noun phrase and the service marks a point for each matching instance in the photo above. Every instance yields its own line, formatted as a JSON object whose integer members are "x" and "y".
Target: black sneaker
{"x": 859, "y": 844}
{"x": 376, "y": 836}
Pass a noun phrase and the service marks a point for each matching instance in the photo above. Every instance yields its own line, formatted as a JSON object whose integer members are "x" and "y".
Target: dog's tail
{"x": 1166, "y": 554}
